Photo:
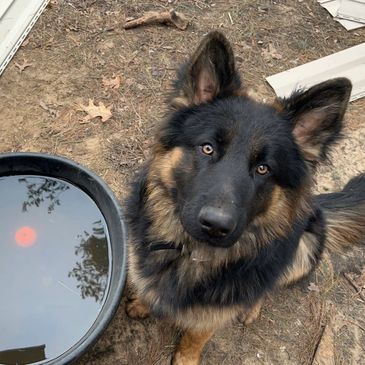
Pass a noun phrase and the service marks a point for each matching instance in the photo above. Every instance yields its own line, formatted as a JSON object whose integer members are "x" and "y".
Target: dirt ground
{"x": 77, "y": 44}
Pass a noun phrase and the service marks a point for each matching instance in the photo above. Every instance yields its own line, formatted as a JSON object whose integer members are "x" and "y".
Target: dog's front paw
{"x": 250, "y": 316}
{"x": 137, "y": 310}
{"x": 185, "y": 359}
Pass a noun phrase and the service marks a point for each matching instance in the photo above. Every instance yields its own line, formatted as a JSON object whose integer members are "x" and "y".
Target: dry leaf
{"x": 112, "y": 83}
{"x": 95, "y": 111}
{"x": 24, "y": 65}
{"x": 271, "y": 53}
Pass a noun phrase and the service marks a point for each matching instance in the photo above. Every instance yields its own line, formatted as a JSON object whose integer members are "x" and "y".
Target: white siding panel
{"x": 349, "y": 63}
{"x": 16, "y": 20}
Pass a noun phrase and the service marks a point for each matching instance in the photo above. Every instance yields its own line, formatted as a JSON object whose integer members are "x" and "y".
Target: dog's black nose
{"x": 216, "y": 221}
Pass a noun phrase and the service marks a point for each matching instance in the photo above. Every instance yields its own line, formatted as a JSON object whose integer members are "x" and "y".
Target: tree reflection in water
{"x": 43, "y": 189}
{"x": 92, "y": 270}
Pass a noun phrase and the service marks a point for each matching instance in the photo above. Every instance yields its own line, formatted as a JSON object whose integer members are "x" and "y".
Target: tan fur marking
{"x": 279, "y": 217}
{"x": 164, "y": 166}
{"x": 136, "y": 281}
{"x": 253, "y": 314}
{"x": 179, "y": 102}
{"x": 190, "y": 347}
{"x": 137, "y": 310}
{"x": 206, "y": 318}
{"x": 241, "y": 92}
{"x": 345, "y": 229}
{"x": 278, "y": 105}
{"x": 311, "y": 152}
{"x": 165, "y": 225}
{"x": 302, "y": 263}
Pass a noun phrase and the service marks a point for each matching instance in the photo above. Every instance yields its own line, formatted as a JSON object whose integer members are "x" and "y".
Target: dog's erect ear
{"x": 209, "y": 73}
{"x": 317, "y": 116}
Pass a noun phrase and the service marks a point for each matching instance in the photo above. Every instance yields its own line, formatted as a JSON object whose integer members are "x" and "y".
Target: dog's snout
{"x": 216, "y": 222}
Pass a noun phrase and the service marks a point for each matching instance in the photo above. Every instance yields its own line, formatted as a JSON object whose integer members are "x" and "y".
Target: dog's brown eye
{"x": 207, "y": 149}
{"x": 262, "y": 169}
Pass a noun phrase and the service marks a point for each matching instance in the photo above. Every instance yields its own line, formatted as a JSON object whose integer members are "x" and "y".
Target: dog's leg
{"x": 254, "y": 312}
{"x": 136, "y": 309}
{"x": 248, "y": 316}
{"x": 191, "y": 346}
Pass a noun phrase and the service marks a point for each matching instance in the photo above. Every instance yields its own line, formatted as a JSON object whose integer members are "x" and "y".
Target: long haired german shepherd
{"x": 223, "y": 212}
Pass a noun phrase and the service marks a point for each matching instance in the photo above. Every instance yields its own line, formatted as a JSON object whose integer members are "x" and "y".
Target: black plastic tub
{"x": 28, "y": 169}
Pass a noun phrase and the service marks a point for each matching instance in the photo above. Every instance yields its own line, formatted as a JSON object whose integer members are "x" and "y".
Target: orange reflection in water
{"x": 25, "y": 236}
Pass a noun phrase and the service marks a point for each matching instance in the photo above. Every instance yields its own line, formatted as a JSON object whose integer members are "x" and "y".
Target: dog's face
{"x": 233, "y": 161}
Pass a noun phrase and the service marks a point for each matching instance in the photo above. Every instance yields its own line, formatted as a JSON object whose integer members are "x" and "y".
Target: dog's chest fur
{"x": 174, "y": 280}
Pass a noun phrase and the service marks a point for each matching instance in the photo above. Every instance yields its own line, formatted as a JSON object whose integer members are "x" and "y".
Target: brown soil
{"x": 76, "y": 43}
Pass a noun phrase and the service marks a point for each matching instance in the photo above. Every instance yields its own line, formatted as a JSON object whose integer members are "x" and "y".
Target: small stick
{"x": 171, "y": 17}
{"x": 354, "y": 285}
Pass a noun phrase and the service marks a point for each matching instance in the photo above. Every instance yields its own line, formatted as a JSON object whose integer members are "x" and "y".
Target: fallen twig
{"x": 171, "y": 17}
{"x": 354, "y": 285}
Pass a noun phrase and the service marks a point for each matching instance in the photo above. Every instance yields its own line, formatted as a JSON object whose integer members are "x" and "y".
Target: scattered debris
{"x": 353, "y": 283}
{"x": 171, "y": 17}
{"x": 112, "y": 83}
{"x": 271, "y": 53}
{"x": 44, "y": 106}
{"x": 349, "y": 13}
{"x": 348, "y": 63}
{"x": 95, "y": 111}
{"x": 24, "y": 65}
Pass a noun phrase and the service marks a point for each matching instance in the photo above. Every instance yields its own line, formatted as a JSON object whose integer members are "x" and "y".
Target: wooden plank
{"x": 17, "y": 20}
{"x": 349, "y": 63}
